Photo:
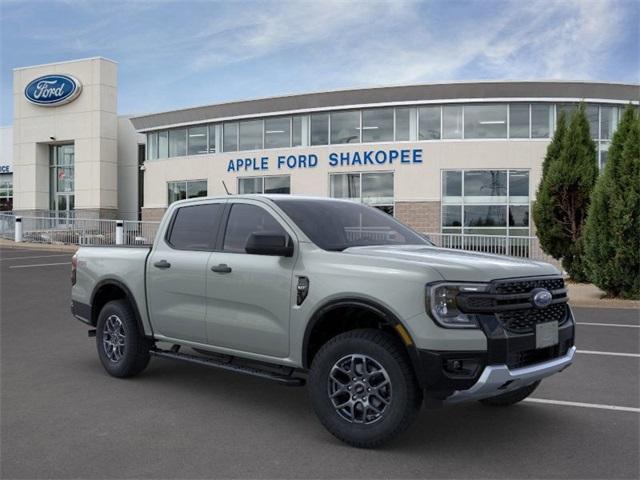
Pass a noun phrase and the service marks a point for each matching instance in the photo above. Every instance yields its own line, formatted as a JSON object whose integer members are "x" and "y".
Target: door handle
{"x": 162, "y": 264}
{"x": 222, "y": 268}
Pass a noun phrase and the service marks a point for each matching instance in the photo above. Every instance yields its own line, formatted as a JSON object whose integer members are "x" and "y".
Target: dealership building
{"x": 449, "y": 157}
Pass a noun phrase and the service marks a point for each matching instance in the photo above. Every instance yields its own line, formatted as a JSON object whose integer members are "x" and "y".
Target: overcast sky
{"x": 186, "y": 53}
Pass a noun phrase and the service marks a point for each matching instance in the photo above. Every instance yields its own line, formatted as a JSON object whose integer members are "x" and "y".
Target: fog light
{"x": 465, "y": 367}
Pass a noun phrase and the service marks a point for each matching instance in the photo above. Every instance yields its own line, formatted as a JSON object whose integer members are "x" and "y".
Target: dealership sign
{"x": 53, "y": 90}
{"x": 5, "y": 168}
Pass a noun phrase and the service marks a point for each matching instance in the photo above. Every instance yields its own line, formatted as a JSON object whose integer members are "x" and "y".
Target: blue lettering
{"x": 239, "y": 164}
{"x": 302, "y": 161}
{"x": 264, "y": 163}
{"x": 333, "y": 159}
{"x": 356, "y": 159}
{"x": 313, "y": 160}
{"x": 404, "y": 156}
{"x": 393, "y": 154}
{"x": 417, "y": 155}
{"x": 230, "y": 166}
{"x": 344, "y": 158}
{"x": 381, "y": 157}
{"x": 280, "y": 161}
{"x": 367, "y": 157}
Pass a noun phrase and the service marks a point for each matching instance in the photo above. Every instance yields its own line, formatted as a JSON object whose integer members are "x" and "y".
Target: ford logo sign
{"x": 52, "y": 90}
{"x": 542, "y": 298}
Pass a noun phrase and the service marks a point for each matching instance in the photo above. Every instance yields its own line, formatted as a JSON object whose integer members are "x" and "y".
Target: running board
{"x": 287, "y": 380}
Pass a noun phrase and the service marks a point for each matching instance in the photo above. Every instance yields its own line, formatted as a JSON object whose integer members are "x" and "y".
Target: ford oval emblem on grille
{"x": 541, "y": 298}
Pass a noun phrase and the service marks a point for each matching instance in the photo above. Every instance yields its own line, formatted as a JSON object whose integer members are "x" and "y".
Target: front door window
{"x": 61, "y": 162}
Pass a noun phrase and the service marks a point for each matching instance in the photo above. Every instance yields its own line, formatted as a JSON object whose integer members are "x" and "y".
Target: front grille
{"x": 525, "y": 286}
{"x": 525, "y": 320}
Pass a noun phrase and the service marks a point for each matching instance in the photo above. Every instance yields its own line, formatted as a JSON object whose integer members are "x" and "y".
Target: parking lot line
{"x": 34, "y": 256}
{"x": 583, "y": 405}
{"x": 613, "y": 354}
{"x": 608, "y": 324}
{"x": 39, "y": 265}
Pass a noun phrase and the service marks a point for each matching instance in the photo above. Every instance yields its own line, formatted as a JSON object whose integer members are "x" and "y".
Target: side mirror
{"x": 274, "y": 244}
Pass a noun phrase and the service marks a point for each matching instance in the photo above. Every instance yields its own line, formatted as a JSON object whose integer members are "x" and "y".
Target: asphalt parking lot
{"x": 62, "y": 416}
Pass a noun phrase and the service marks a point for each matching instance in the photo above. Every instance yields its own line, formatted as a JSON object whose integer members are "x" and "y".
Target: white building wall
{"x": 128, "y": 169}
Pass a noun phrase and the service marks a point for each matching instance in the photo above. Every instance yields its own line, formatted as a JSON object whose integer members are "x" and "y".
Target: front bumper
{"x": 499, "y": 379}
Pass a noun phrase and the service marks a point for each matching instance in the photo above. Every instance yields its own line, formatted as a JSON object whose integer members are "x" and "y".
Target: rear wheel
{"x": 122, "y": 347}
{"x": 510, "y": 398}
{"x": 363, "y": 388}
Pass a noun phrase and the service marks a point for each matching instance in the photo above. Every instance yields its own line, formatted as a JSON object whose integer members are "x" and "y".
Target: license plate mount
{"x": 546, "y": 334}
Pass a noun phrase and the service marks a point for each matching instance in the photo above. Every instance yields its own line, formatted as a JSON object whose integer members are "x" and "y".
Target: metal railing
{"x": 139, "y": 233}
{"x": 7, "y": 226}
{"x": 523, "y": 247}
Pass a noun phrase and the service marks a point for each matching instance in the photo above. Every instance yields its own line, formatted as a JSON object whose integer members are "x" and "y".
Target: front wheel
{"x": 510, "y": 398}
{"x": 122, "y": 347}
{"x": 363, "y": 388}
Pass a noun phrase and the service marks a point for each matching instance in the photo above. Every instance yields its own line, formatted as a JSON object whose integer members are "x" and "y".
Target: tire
{"x": 389, "y": 375}
{"x": 510, "y": 398}
{"x": 117, "y": 323}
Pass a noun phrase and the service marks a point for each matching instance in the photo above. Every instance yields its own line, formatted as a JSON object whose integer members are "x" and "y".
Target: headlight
{"x": 442, "y": 304}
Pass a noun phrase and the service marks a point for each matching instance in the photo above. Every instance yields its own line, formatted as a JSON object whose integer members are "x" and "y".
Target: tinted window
{"x": 320, "y": 129}
{"x": 336, "y": 225}
{"x": 485, "y": 121}
{"x": 429, "y": 126}
{"x": 377, "y": 125}
{"x": 194, "y": 228}
{"x": 519, "y": 120}
{"x": 345, "y": 127}
{"x": 243, "y": 221}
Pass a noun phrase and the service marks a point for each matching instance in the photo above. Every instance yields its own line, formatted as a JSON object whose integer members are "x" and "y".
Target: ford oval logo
{"x": 542, "y": 298}
{"x": 53, "y": 90}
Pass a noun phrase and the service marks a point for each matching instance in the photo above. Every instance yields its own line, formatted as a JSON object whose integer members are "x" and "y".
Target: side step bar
{"x": 284, "y": 379}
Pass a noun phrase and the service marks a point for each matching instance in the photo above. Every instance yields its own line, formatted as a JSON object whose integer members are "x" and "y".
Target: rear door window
{"x": 244, "y": 220}
{"x": 195, "y": 227}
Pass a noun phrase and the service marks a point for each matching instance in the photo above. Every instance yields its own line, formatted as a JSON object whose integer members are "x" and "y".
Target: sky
{"x": 176, "y": 54}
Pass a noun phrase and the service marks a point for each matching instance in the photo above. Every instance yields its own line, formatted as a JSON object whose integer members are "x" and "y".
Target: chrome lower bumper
{"x": 498, "y": 379}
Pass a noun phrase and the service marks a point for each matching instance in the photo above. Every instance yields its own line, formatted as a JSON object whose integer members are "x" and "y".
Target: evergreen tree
{"x": 564, "y": 194}
{"x": 612, "y": 232}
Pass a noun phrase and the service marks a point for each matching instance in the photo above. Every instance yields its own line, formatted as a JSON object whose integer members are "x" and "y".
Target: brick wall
{"x": 423, "y": 217}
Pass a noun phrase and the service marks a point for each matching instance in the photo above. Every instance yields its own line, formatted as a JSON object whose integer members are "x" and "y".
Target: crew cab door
{"x": 249, "y": 296}
{"x": 177, "y": 272}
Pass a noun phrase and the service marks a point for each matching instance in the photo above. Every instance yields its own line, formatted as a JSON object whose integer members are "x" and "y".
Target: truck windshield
{"x": 336, "y": 225}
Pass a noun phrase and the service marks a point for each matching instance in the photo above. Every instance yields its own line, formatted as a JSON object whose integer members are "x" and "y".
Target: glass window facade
{"x": 184, "y": 189}
{"x": 485, "y": 121}
{"x": 452, "y": 121}
{"x": 277, "y": 132}
{"x": 541, "y": 120}
{"x": 197, "y": 140}
{"x": 485, "y": 202}
{"x": 267, "y": 185}
{"x": 62, "y": 179}
{"x": 251, "y": 135}
{"x": 403, "y": 124}
{"x": 6, "y": 192}
{"x": 178, "y": 142}
{"x": 519, "y": 120}
{"x": 319, "y": 129}
{"x": 296, "y": 131}
{"x": 163, "y": 144}
{"x": 377, "y": 125}
{"x": 345, "y": 127}
{"x": 374, "y": 188}
{"x": 230, "y": 137}
{"x": 429, "y": 123}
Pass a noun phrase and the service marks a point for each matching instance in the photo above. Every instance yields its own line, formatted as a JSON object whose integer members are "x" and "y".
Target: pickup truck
{"x": 341, "y": 296}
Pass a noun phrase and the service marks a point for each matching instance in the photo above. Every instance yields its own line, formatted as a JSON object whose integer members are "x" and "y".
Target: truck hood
{"x": 458, "y": 265}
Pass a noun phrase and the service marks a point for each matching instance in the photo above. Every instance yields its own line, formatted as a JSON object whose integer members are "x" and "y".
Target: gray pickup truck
{"x": 332, "y": 293}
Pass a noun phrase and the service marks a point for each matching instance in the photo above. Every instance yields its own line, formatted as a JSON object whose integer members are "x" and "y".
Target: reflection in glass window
{"x": 178, "y": 142}
{"x": 250, "y": 185}
{"x": 485, "y": 216}
{"x": 452, "y": 216}
{"x": 452, "y": 121}
{"x": 186, "y": 189}
{"x": 320, "y": 129}
{"x": 541, "y": 120}
{"x": 212, "y": 138}
{"x": 592, "y": 116}
{"x": 230, "y": 137}
{"x": 429, "y": 123}
{"x": 519, "y": 185}
{"x": 345, "y": 127}
{"x": 279, "y": 184}
{"x": 519, "y": 120}
{"x": 345, "y": 185}
{"x": 403, "y": 124}
{"x": 244, "y": 220}
{"x": 277, "y": 132}
{"x": 608, "y": 122}
{"x": 163, "y": 144}
{"x": 251, "y": 135}
{"x": 604, "y": 152}
{"x": 296, "y": 131}
{"x": 485, "y": 121}
{"x": 485, "y": 184}
{"x": 451, "y": 183}
{"x": 377, "y": 125}
{"x": 152, "y": 146}
{"x": 377, "y": 188}
{"x": 197, "y": 188}
{"x": 194, "y": 227}
{"x": 197, "y": 140}
{"x": 519, "y": 216}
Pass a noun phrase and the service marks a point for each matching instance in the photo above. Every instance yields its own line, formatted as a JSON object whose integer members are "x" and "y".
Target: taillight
{"x": 74, "y": 268}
